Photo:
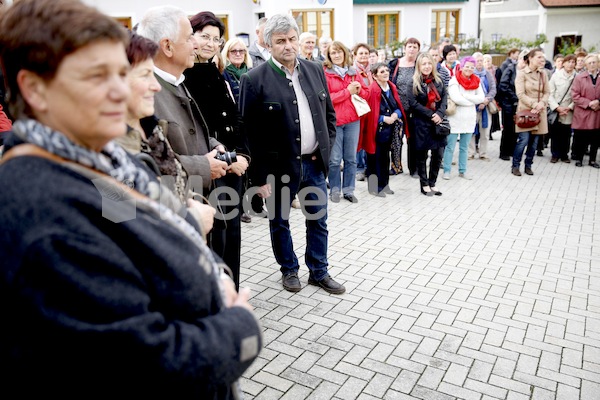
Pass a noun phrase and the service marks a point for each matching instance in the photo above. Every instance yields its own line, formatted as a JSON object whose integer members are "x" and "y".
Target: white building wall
{"x": 416, "y": 19}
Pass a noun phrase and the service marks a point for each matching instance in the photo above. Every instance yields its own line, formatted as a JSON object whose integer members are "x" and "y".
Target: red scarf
{"x": 432, "y": 94}
{"x": 470, "y": 83}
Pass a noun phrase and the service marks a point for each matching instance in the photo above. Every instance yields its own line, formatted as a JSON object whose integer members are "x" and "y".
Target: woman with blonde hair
{"x": 427, "y": 102}
{"x": 237, "y": 62}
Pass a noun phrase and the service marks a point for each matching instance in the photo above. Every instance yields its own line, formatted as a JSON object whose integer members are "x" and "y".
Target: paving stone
{"x": 439, "y": 305}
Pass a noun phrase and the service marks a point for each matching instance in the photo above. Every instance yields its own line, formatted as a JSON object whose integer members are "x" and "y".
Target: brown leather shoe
{"x": 516, "y": 172}
{"x": 528, "y": 171}
{"x": 328, "y": 284}
{"x": 291, "y": 283}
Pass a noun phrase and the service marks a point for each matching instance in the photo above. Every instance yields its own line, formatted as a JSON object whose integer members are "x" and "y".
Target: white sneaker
{"x": 446, "y": 176}
{"x": 465, "y": 176}
{"x": 360, "y": 176}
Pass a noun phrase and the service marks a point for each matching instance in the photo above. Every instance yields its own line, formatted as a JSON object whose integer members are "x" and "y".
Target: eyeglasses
{"x": 216, "y": 40}
{"x": 238, "y": 52}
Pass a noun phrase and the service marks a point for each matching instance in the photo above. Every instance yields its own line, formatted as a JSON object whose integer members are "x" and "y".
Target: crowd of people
{"x": 151, "y": 146}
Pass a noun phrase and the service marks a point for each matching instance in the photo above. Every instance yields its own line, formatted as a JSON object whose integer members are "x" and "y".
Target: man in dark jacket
{"x": 187, "y": 130}
{"x": 290, "y": 124}
{"x": 507, "y": 97}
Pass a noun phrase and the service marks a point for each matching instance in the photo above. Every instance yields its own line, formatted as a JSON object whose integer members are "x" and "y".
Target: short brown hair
{"x": 36, "y": 35}
{"x": 340, "y": 46}
{"x": 358, "y": 46}
{"x": 140, "y": 49}
{"x": 569, "y": 57}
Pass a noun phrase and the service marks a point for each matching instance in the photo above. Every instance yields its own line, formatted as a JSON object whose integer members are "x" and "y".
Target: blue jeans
{"x": 361, "y": 160}
{"x": 463, "y": 151}
{"x": 524, "y": 139}
{"x": 346, "y": 143}
{"x": 315, "y": 256}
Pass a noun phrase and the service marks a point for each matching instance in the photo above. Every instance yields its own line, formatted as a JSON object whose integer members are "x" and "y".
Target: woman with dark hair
{"x": 104, "y": 288}
{"x": 402, "y": 70}
{"x": 449, "y": 59}
{"x": 387, "y": 118}
{"x": 533, "y": 91}
{"x": 146, "y": 136}
{"x": 209, "y": 89}
{"x": 427, "y": 101}
{"x": 342, "y": 82}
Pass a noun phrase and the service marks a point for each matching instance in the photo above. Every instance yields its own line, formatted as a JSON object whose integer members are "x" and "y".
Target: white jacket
{"x": 559, "y": 83}
{"x": 465, "y": 118}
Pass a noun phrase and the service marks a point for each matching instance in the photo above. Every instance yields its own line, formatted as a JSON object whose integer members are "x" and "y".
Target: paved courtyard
{"x": 491, "y": 291}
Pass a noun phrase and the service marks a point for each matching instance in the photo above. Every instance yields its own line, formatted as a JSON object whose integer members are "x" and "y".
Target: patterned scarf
{"x": 432, "y": 94}
{"x": 237, "y": 72}
{"x": 364, "y": 73}
{"x": 112, "y": 159}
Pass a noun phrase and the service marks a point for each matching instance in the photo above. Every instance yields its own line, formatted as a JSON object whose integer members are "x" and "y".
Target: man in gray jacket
{"x": 187, "y": 131}
{"x": 258, "y": 51}
{"x": 290, "y": 124}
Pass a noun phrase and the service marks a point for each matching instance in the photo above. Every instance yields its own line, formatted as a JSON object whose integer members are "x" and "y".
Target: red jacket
{"x": 366, "y": 140}
{"x": 340, "y": 96}
{"x": 5, "y": 124}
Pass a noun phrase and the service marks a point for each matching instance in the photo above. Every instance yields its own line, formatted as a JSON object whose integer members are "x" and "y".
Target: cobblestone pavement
{"x": 491, "y": 291}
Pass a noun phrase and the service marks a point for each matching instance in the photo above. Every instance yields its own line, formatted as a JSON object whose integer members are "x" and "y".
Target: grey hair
{"x": 261, "y": 22}
{"x": 279, "y": 23}
{"x": 306, "y": 35}
{"x": 477, "y": 54}
{"x": 161, "y": 22}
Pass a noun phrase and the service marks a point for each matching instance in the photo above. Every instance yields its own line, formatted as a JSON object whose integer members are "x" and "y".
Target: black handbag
{"x": 385, "y": 132}
{"x": 443, "y": 128}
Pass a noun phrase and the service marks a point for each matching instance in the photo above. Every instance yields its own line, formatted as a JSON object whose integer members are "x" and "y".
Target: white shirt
{"x": 308, "y": 135}
{"x": 168, "y": 77}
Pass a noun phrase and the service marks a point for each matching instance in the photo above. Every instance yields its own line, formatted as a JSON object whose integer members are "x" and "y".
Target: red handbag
{"x": 526, "y": 119}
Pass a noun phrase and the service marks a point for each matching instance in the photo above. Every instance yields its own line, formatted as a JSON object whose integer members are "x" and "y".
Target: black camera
{"x": 229, "y": 157}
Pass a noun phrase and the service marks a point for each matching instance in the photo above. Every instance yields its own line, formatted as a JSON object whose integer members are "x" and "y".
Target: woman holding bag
{"x": 533, "y": 90}
{"x": 427, "y": 101}
{"x": 343, "y": 82}
{"x": 479, "y": 141}
{"x": 386, "y": 119}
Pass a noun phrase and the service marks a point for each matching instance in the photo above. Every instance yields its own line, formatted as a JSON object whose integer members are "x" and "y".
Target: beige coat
{"x": 527, "y": 87}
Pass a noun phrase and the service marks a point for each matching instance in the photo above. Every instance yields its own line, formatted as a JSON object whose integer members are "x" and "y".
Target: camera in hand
{"x": 228, "y": 156}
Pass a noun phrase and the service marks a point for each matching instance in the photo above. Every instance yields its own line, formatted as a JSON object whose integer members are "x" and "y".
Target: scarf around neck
{"x": 111, "y": 160}
{"x": 482, "y": 75}
{"x": 470, "y": 83}
{"x": 237, "y": 72}
{"x": 114, "y": 161}
{"x": 433, "y": 95}
{"x": 341, "y": 71}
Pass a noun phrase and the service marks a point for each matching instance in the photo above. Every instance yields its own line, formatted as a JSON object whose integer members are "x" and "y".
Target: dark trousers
{"x": 560, "y": 140}
{"x": 225, "y": 239}
{"x": 582, "y": 138}
{"x": 509, "y": 137}
{"x": 378, "y": 164}
{"x": 434, "y": 165}
{"x": 411, "y": 155}
{"x": 311, "y": 187}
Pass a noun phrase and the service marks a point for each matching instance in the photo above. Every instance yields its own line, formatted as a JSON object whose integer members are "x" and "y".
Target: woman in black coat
{"x": 427, "y": 102}
{"x": 208, "y": 88}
